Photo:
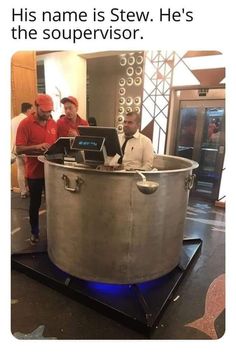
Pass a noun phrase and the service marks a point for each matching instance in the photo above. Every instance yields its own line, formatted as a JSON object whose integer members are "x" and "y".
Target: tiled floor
{"x": 195, "y": 312}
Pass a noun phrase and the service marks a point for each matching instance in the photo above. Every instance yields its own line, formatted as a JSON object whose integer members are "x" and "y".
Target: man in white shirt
{"x": 137, "y": 148}
{"x": 26, "y": 109}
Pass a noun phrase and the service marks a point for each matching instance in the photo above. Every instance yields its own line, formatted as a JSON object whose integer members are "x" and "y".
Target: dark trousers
{"x": 36, "y": 187}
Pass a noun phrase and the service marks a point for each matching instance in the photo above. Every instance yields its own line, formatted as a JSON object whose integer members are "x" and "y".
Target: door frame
{"x": 218, "y": 92}
{"x": 214, "y": 94}
{"x": 201, "y": 106}
{"x": 200, "y": 122}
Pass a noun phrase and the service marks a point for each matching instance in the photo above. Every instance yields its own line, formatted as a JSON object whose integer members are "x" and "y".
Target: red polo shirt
{"x": 64, "y": 124}
{"x": 30, "y": 132}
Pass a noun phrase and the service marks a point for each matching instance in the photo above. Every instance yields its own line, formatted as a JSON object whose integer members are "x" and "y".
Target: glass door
{"x": 201, "y": 137}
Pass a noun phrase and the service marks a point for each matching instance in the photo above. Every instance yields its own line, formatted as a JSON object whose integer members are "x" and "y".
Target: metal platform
{"x": 139, "y": 306}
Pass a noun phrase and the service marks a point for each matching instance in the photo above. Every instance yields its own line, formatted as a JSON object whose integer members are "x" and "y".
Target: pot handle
{"x": 189, "y": 181}
{"x": 78, "y": 182}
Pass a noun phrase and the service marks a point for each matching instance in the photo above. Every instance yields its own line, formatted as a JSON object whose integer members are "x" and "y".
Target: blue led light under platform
{"x": 119, "y": 288}
{"x": 137, "y": 305}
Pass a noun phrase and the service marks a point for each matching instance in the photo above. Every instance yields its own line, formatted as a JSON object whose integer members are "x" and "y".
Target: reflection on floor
{"x": 195, "y": 312}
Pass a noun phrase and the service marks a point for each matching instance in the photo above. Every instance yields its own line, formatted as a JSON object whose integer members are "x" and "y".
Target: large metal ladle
{"x": 146, "y": 187}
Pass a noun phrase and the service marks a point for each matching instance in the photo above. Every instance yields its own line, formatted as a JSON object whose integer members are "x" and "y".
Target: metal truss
{"x": 156, "y": 93}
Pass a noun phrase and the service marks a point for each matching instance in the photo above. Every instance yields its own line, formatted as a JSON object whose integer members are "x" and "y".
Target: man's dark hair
{"x": 25, "y": 106}
{"x": 137, "y": 116}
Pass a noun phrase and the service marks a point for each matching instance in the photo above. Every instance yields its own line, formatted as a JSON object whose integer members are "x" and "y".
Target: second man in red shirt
{"x": 67, "y": 124}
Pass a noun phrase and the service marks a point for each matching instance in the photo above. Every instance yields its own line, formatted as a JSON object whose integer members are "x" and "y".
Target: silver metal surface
{"x": 107, "y": 230}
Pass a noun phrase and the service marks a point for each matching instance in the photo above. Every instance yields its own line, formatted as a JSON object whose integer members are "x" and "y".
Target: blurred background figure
{"x": 187, "y": 132}
{"x": 92, "y": 121}
{"x": 211, "y": 128}
{"x": 215, "y": 136}
{"x": 26, "y": 110}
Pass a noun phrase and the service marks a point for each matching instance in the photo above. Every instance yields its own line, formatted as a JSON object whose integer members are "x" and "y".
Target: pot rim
{"x": 79, "y": 167}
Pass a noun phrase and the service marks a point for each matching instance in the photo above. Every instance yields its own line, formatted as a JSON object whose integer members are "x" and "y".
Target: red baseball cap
{"x": 70, "y": 99}
{"x": 45, "y": 102}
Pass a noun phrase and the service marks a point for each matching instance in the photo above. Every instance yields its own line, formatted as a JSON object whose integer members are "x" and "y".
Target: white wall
{"x": 65, "y": 75}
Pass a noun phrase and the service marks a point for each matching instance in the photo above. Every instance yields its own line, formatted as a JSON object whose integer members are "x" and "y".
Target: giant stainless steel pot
{"x": 101, "y": 227}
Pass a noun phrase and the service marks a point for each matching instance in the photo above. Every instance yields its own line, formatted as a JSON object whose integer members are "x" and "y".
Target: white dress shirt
{"x": 14, "y": 125}
{"x": 138, "y": 152}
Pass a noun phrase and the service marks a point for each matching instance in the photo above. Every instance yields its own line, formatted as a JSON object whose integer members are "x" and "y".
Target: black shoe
{"x": 34, "y": 239}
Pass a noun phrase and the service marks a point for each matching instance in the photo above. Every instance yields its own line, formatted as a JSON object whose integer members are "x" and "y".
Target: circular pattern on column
{"x": 120, "y": 128}
{"x": 122, "y": 91}
{"x": 130, "y": 71}
{"x": 123, "y": 61}
{"x": 131, "y": 60}
{"x": 122, "y": 82}
{"x": 137, "y": 110}
{"x": 129, "y": 101}
{"x": 128, "y": 109}
{"x": 121, "y": 100}
{"x": 138, "y": 70}
{"x": 120, "y": 119}
{"x": 139, "y": 59}
{"x": 121, "y": 110}
{"x": 137, "y": 100}
{"x": 130, "y": 81}
{"x": 138, "y": 81}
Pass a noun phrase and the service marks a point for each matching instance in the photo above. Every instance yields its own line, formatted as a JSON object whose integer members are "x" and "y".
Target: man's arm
{"x": 148, "y": 155}
{"x": 32, "y": 149}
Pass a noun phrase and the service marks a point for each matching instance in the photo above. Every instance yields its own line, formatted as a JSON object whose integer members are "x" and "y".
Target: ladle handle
{"x": 142, "y": 175}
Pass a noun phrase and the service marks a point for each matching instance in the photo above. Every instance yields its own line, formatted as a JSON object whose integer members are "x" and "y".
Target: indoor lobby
{"x": 123, "y": 253}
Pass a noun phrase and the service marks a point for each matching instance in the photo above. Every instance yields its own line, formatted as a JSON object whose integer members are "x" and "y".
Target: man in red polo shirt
{"x": 67, "y": 124}
{"x": 34, "y": 135}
